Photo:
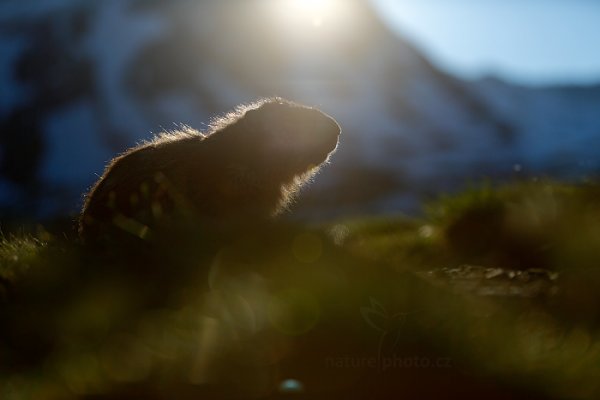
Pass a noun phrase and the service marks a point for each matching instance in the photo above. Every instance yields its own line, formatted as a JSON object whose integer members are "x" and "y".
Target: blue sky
{"x": 533, "y": 42}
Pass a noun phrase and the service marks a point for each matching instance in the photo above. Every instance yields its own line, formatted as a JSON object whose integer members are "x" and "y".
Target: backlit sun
{"x": 315, "y": 11}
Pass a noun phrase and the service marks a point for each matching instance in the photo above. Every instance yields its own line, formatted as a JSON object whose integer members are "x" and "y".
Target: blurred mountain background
{"x": 81, "y": 81}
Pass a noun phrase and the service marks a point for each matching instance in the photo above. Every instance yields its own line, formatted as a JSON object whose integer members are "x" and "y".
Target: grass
{"x": 17, "y": 254}
{"x": 493, "y": 292}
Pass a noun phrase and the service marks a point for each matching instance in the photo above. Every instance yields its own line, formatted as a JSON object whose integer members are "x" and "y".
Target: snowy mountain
{"x": 81, "y": 81}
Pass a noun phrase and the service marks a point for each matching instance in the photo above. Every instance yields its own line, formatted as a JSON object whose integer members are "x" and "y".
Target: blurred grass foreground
{"x": 494, "y": 293}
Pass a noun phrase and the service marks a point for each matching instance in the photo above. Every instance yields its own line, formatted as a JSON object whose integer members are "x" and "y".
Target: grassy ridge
{"x": 494, "y": 292}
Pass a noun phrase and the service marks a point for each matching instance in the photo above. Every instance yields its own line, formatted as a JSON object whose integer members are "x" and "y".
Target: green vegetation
{"x": 17, "y": 254}
{"x": 493, "y": 293}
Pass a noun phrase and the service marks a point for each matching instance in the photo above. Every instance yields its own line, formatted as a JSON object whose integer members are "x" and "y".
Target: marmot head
{"x": 294, "y": 130}
{"x": 274, "y": 146}
{"x": 290, "y": 139}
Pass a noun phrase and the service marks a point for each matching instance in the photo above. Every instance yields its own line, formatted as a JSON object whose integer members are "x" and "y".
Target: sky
{"x": 532, "y": 42}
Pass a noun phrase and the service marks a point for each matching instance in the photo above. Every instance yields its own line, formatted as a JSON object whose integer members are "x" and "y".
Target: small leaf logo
{"x": 389, "y": 325}
{"x": 375, "y": 315}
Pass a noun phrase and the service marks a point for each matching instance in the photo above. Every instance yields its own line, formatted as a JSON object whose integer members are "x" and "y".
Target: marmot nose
{"x": 333, "y": 125}
{"x": 327, "y": 127}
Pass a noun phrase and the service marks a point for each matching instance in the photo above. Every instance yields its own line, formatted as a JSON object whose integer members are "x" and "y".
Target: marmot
{"x": 245, "y": 168}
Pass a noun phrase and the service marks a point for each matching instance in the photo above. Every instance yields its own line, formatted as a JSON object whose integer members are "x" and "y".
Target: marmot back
{"x": 246, "y": 168}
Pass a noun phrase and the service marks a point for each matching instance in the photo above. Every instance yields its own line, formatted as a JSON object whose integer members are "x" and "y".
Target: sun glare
{"x": 315, "y": 12}
{"x": 313, "y": 20}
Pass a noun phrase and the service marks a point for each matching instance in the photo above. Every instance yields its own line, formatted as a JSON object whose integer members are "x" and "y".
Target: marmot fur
{"x": 245, "y": 168}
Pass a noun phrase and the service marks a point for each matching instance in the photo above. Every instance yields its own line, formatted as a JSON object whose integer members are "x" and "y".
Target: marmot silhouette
{"x": 245, "y": 168}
